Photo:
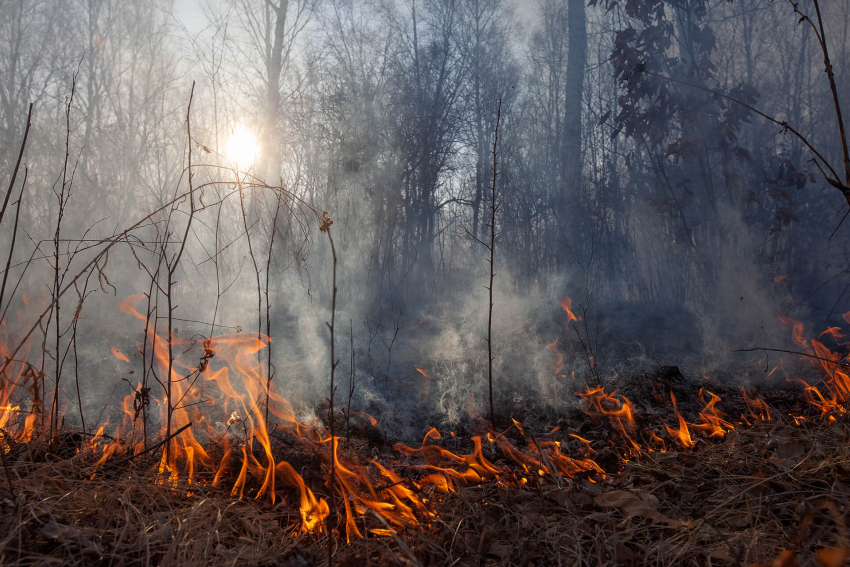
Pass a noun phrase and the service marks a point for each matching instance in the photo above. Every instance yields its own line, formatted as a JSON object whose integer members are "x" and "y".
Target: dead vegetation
{"x": 770, "y": 492}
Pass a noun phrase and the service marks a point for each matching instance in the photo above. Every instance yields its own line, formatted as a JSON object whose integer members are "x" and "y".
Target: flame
{"x": 128, "y": 305}
{"x": 118, "y": 354}
{"x": 620, "y": 413}
{"x": 218, "y": 405}
{"x": 797, "y": 330}
{"x": 587, "y": 442}
{"x": 658, "y": 441}
{"x": 682, "y": 435}
{"x": 834, "y": 332}
{"x": 567, "y": 305}
{"x": 558, "y": 364}
{"x": 757, "y": 406}
{"x": 313, "y": 510}
{"x": 713, "y": 422}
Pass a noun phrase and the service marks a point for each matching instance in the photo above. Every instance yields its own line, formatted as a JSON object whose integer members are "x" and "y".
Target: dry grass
{"x": 757, "y": 496}
{"x": 745, "y": 500}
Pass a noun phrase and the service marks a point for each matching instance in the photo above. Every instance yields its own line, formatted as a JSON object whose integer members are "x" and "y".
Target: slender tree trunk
{"x": 571, "y": 133}
{"x": 274, "y": 70}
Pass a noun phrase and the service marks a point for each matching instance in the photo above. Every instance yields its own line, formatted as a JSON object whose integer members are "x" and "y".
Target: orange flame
{"x": 558, "y": 364}
{"x": 713, "y": 422}
{"x": 620, "y": 413}
{"x": 682, "y": 435}
{"x": 757, "y": 406}
{"x": 797, "y": 330}
{"x": 567, "y": 305}
{"x": 118, "y": 354}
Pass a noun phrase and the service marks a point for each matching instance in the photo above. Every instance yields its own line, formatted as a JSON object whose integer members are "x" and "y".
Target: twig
{"x": 785, "y": 126}
{"x": 330, "y": 522}
{"x": 793, "y": 352}
{"x": 351, "y": 383}
{"x": 171, "y": 269}
{"x": 126, "y": 460}
{"x": 494, "y": 206}
{"x": 17, "y": 164}
{"x": 399, "y": 542}
{"x": 14, "y": 237}
{"x": 390, "y": 353}
{"x": 62, "y": 200}
{"x": 269, "y": 367}
{"x": 821, "y": 36}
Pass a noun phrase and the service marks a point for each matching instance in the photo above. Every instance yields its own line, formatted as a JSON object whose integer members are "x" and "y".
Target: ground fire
{"x": 463, "y": 283}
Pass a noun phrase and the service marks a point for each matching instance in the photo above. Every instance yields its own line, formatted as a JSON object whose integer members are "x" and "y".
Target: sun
{"x": 242, "y": 147}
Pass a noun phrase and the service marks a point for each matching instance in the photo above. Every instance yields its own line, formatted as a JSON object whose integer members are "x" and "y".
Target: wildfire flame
{"x": 118, "y": 354}
{"x": 682, "y": 435}
{"x": 217, "y": 434}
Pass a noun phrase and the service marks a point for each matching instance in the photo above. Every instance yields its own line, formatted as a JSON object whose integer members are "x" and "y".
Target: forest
{"x": 424, "y": 282}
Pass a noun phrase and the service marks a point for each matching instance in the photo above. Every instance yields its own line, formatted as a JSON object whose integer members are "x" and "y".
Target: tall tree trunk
{"x": 274, "y": 67}
{"x": 571, "y": 132}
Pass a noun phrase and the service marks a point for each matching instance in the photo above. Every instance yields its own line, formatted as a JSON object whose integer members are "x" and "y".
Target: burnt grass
{"x": 770, "y": 492}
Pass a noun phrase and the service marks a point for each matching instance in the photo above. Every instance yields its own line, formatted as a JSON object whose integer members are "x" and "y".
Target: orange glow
{"x": 218, "y": 402}
{"x": 118, "y": 354}
{"x": 620, "y": 412}
{"x": 797, "y": 330}
{"x": 558, "y": 363}
{"x": 713, "y": 422}
{"x": 681, "y": 435}
{"x": 834, "y": 332}
{"x": 757, "y": 406}
{"x": 567, "y": 305}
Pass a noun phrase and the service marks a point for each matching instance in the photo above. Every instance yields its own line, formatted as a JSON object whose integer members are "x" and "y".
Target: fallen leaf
{"x": 635, "y": 503}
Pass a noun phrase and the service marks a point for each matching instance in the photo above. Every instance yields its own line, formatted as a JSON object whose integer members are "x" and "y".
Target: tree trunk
{"x": 571, "y": 133}
{"x": 274, "y": 67}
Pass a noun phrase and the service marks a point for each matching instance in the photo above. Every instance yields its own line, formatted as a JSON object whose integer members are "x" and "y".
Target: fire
{"x": 118, "y": 354}
{"x": 214, "y": 432}
{"x": 558, "y": 363}
{"x": 477, "y": 467}
{"x": 797, "y": 329}
{"x": 620, "y": 412}
{"x": 682, "y": 435}
{"x": 567, "y": 306}
{"x": 757, "y": 406}
{"x": 713, "y": 422}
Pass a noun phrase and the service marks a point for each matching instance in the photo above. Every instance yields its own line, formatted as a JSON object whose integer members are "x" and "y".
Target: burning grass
{"x": 771, "y": 492}
{"x": 657, "y": 469}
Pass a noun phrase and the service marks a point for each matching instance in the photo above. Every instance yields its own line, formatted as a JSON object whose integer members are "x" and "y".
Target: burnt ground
{"x": 768, "y": 492}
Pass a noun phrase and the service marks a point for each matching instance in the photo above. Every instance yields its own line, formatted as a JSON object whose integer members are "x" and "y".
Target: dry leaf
{"x": 635, "y": 503}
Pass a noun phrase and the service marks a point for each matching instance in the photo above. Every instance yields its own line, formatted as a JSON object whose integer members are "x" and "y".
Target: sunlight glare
{"x": 242, "y": 147}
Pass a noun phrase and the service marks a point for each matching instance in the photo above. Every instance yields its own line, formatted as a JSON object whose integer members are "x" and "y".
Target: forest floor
{"x": 772, "y": 490}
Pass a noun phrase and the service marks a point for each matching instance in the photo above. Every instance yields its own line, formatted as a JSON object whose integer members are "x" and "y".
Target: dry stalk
{"x": 331, "y": 327}
{"x": 494, "y": 206}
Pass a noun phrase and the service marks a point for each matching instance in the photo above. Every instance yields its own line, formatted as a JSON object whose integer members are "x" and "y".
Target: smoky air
{"x": 433, "y": 282}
